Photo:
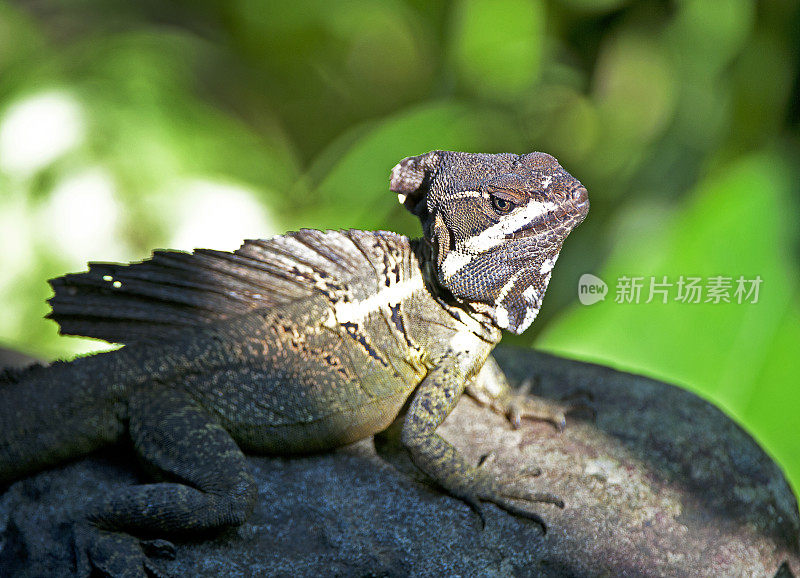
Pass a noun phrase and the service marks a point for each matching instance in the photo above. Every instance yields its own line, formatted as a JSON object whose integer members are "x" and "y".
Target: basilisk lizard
{"x": 295, "y": 344}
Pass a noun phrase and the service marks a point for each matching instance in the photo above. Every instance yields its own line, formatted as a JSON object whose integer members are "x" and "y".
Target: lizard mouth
{"x": 580, "y": 198}
{"x": 551, "y": 221}
{"x": 568, "y": 214}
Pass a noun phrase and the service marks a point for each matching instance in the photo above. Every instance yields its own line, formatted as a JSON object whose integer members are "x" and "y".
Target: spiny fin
{"x": 162, "y": 297}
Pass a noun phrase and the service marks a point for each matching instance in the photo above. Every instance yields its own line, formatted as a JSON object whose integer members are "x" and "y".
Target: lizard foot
{"x": 119, "y": 555}
{"x": 524, "y": 406}
{"x": 504, "y": 493}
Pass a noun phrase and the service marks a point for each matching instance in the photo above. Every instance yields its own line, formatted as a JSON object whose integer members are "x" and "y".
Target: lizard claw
{"x": 476, "y": 506}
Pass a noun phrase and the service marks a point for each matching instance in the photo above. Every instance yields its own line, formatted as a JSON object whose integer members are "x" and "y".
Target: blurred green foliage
{"x": 128, "y": 126}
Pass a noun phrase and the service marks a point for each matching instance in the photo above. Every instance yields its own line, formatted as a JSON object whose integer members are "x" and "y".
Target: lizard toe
{"x": 515, "y": 510}
{"x": 523, "y": 474}
{"x": 119, "y": 555}
{"x": 553, "y": 411}
{"x": 158, "y": 549}
{"x": 525, "y": 407}
{"x": 517, "y": 493}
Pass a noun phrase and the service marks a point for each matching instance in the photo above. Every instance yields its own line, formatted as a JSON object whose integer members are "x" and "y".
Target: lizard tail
{"x": 49, "y": 414}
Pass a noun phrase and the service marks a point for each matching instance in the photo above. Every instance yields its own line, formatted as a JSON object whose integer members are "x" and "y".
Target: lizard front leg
{"x": 433, "y": 400}
{"x": 210, "y": 485}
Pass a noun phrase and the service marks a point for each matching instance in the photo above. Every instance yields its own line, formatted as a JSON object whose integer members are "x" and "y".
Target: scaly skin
{"x": 297, "y": 344}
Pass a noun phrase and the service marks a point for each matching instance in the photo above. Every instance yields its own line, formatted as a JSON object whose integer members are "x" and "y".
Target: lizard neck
{"x": 481, "y": 315}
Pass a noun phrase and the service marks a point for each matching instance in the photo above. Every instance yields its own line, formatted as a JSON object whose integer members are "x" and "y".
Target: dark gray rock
{"x": 659, "y": 483}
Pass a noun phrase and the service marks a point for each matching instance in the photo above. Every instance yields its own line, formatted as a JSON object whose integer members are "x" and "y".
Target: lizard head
{"x": 496, "y": 224}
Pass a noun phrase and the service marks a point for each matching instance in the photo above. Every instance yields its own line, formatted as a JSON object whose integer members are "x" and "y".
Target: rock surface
{"x": 658, "y": 483}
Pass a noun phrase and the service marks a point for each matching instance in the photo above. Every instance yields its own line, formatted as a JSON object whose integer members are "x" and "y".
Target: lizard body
{"x": 300, "y": 343}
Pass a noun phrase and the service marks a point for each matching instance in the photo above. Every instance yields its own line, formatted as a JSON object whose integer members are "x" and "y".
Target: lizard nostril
{"x": 580, "y": 194}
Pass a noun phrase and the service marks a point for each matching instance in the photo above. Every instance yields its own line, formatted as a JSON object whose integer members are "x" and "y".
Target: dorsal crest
{"x": 160, "y": 298}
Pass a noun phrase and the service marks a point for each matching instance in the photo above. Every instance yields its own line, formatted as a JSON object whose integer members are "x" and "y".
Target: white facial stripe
{"x": 507, "y": 287}
{"x": 516, "y": 220}
{"x": 459, "y": 195}
{"x": 530, "y": 314}
{"x": 548, "y": 264}
{"x": 465, "y": 194}
{"x": 530, "y": 293}
{"x": 357, "y": 311}
{"x": 454, "y": 262}
{"x": 501, "y": 317}
{"x": 546, "y": 181}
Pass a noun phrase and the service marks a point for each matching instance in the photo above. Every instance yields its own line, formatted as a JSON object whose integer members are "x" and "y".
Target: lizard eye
{"x": 501, "y": 205}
